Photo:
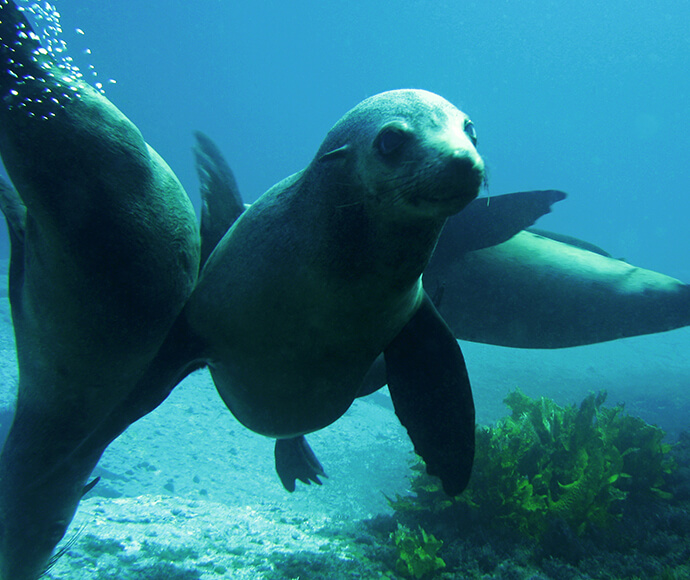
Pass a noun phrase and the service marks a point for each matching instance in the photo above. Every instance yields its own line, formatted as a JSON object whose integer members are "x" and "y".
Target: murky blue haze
{"x": 589, "y": 97}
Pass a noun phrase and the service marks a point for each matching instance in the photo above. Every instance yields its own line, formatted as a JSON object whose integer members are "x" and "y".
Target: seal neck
{"x": 360, "y": 243}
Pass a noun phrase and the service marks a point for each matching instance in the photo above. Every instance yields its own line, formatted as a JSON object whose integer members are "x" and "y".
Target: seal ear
{"x": 338, "y": 153}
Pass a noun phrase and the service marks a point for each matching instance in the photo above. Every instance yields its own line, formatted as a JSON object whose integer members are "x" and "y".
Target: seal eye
{"x": 390, "y": 139}
{"x": 470, "y": 131}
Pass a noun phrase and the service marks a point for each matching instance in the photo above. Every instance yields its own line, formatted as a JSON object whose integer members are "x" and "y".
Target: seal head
{"x": 412, "y": 152}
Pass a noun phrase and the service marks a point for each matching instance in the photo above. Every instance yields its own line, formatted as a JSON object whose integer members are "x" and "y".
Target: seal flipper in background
{"x": 487, "y": 222}
{"x": 570, "y": 240}
{"x": 431, "y": 393}
{"x": 295, "y": 460}
{"x": 221, "y": 202}
{"x": 14, "y": 211}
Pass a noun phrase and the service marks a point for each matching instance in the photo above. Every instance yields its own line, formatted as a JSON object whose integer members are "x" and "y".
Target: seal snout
{"x": 468, "y": 167}
{"x": 460, "y": 179}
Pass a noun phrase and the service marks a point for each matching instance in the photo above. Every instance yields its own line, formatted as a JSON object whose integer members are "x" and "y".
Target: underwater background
{"x": 588, "y": 97}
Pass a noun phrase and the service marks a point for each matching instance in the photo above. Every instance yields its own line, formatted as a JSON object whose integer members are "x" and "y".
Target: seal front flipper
{"x": 295, "y": 460}
{"x": 432, "y": 396}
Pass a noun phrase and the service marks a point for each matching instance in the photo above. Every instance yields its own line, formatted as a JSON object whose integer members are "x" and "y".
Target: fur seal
{"x": 571, "y": 292}
{"x": 105, "y": 253}
{"x": 323, "y": 273}
{"x": 552, "y": 295}
{"x": 556, "y": 291}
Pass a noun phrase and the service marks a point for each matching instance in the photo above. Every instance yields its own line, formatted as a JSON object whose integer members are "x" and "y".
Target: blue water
{"x": 587, "y": 97}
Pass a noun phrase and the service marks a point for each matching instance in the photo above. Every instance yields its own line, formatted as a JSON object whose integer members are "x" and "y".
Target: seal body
{"x": 322, "y": 273}
{"x": 105, "y": 253}
{"x": 532, "y": 291}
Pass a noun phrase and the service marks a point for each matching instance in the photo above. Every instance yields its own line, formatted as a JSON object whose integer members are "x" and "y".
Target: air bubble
{"x": 51, "y": 57}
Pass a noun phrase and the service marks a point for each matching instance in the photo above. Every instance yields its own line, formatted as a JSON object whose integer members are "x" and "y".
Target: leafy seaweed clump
{"x": 546, "y": 463}
{"x": 416, "y": 552}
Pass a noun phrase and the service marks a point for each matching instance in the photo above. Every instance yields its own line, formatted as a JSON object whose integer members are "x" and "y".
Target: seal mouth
{"x": 457, "y": 184}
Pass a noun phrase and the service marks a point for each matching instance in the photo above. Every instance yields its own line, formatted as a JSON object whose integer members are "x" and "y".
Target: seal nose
{"x": 467, "y": 171}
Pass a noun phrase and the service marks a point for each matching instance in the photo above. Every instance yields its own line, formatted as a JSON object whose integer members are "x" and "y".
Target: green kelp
{"x": 546, "y": 462}
{"x": 416, "y": 552}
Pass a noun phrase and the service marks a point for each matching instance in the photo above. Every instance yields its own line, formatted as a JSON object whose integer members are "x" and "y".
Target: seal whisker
{"x": 63, "y": 550}
{"x": 352, "y": 204}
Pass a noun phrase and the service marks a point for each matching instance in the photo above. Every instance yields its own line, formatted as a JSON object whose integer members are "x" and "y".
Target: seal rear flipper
{"x": 431, "y": 393}
{"x": 220, "y": 196}
{"x": 295, "y": 460}
{"x": 487, "y": 222}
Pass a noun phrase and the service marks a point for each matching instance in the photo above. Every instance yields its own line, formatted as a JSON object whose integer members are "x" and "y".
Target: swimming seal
{"x": 105, "y": 253}
{"x": 323, "y": 273}
{"x": 556, "y": 291}
{"x": 553, "y": 295}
